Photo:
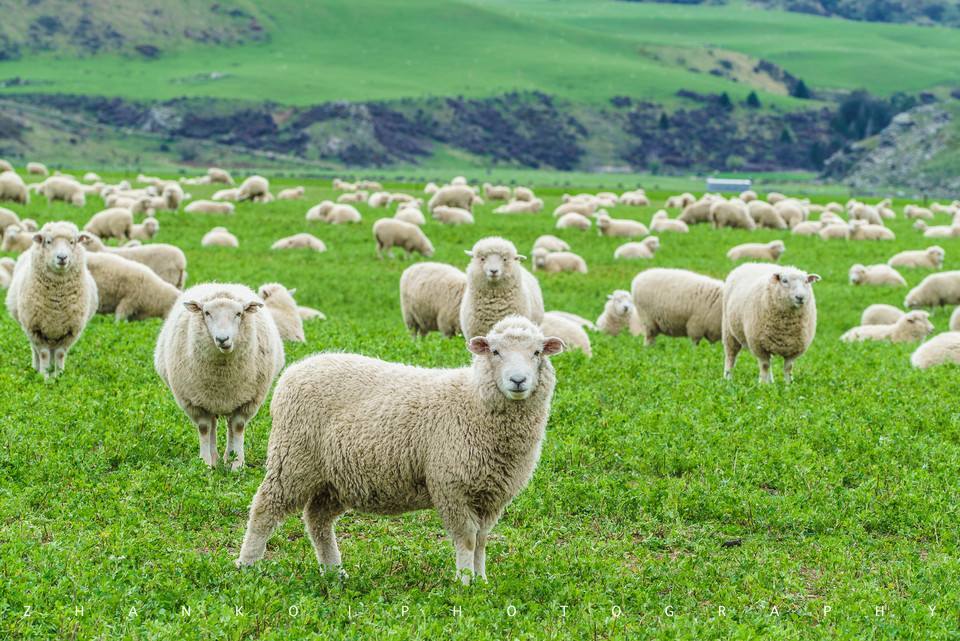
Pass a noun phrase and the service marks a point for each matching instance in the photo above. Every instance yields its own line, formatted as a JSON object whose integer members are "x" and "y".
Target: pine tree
{"x": 753, "y": 101}
{"x": 664, "y": 121}
{"x": 800, "y": 91}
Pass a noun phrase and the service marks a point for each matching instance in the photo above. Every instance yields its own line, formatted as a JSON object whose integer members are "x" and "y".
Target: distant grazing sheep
{"x": 300, "y": 241}
{"x": 390, "y": 232}
{"x": 935, "y": 290}
{"x": 430, "y": 298}
{"x": 771, "y": 251}
{"x": 561, "y": 261}
{"x": 644, "y": 249}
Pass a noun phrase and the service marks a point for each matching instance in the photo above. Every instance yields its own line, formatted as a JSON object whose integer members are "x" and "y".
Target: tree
{"x": 801, "y": 91}
{"x": 753, "y": 101}
{"x": 664, "y": 121}
{"x": 725, "y": 102}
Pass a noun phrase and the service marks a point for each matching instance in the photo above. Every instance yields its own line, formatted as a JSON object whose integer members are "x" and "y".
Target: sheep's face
{"x": 59, "y": 244}
{"x": 514, "y": 351}
{"x": 620, "y": 303}
{"x": 152, "y": 226}
{"x": 795, "y": 286}
{"x": 777, "y": 248}
{"x": 652, "y": 243}
{"x": 223, "y": 317}
{"x": 937, "y": 255}
{"x": 495, "y": 264}
{"x": 856, "y": 274}
{"x": 918, "y": 323}
{"x": 540, "y": 258}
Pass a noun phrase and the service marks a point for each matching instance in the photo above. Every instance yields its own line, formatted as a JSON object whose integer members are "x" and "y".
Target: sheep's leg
{"x": 36, "y": 356}
{"x": 463, "y": 529}
{"x": 480, "y": 554}
{"x": 125, "y": 309}
{"x": 43, "y": 358}
{"x": 788, "y": 369}
{"x": 731, "y": 348}
{"x": 59, "y": 360}
{"x": 266, "y": 512}
{"x": 235, "y": 430}
{"x": 766, "y": 376}
{"x": 319, "y": 516}
{"x": 207, "y": 430}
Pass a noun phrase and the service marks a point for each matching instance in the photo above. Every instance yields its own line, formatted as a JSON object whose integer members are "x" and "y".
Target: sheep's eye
{"x": 238, "y": 314}
{"x": 207, "y": 314}
{"x": 496, "y": 353}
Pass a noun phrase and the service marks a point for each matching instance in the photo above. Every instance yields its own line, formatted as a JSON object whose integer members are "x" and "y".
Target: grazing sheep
{"x": 452, "y": 215}
{"x": 458, "y": 196}
{"x": 619, "y": 313}
{"x": 172, "y": 196}
{"x": 292, "y": 193}
{"x": 221, "y": 176}
{"x": 283, "y": 309}
{"x": 465, "y": 441}
{"x": 682, "y": 201}
{"x": 7, "y": 265}
{"x": 209, "y": 207}
{"x": 7, "y": 218}
{"x": 497, "y": 286}
{"x": 115, "y": 222}
{"x": 860, "y": 230}
{"x": 520, "y": 207}
{"x": 697, "y": 212}
{"x": 661, "y": 222}
{"x": 936, "y": 290}
{"x": 835, "y": 231}
{"x": 941, "y": 349}
{"x": 37, "y": 169}
{"x": 343, "y": 215}
{"x": 765, "y": 215}
{"x": 553, "y": 262}
{"x": 52, "y": 295}
{"x": 582, "y": 207}
{"x": 865, "y": 213}
{"x": 129, "y": 290}
{"x": 771, "y": 251}
{"x": 410, "y": 215}
{"x": 791, "y": 212}
{"x": 13, "y": 188}
{"x": 550, "y": 243}
{"x": 254, "y": 188}
{"x": 524, "y": 193}
{"x": 807, "y": 228}
{"x": 880, "y": 314}
{"x": 620, "y": 227}
{"x": 219, "y": 356}
{"x": 65, "y": 189}
{"x": 929, "y": 258}
{"x": 876, "y": 275}
{"x": 677, "y": 302}
{"x": 496, "y": 192}
{"x": 645, "y": 249}
{"x": 772, "y": 311}
{"x": 167, "y": 261}
{"x": 145, "y": 230}
{"x": 219, "y": 237}
{"x": 570, "y": 332}
{"x": 232, "y": 194}
{"x": 911, "y": 327}
{"x": 390, "y": 232}
{"x": 430, "y": 298}
{"x": 352, "y": 197}
{"x": 730, "y": 214}
{"x": 300, "y": 241}
{"x": 320, "y": 210}
{"x": 573, "y": 221}
{"x": 16, "y": 239}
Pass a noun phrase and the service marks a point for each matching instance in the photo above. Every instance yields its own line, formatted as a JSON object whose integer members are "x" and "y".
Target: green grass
{"x": 841, "y": 488}
{"x": 584, "y": 50}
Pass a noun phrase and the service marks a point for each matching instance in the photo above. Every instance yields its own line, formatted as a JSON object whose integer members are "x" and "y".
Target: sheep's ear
{"x": 193, "y": 306}
{"x": 38, "y": 238}
{"x": 775, "y": 278}
{"x": 479, "y": 345}
{"x": 84, "y": 237}
{"x": 552, "y": 345}
{"x": 468, "y": 252}
{"x": 521, "y": 258}
{"x": 252, "y": 307}
{"x": 812, "y": 278}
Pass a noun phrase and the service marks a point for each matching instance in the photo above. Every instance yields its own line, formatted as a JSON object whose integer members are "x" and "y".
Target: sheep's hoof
{"x": 241, "y": 564}
{"x": 236, "y": 465}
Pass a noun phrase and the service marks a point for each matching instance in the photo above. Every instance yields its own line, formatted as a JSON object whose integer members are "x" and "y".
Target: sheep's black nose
{"x": 223, "y": 339}
{"x": 518, "y": 380}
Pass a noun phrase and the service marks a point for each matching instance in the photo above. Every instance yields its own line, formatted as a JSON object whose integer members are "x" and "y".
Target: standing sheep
{"x": 219, "y": 356}
{"x": 459, "y": 196}
{"x": 284, "y": 310}
{"x": 497, "y": 286}
{"x": 430, "y": 298}
{"x": 929, "y": 258}
{"x": 465, "y": 441}
{"x": 390, "y": 232}
{"x": 677, "y": 302}
{"x": 411, "y": 215}
{"x": 730, "y": 214}
{"x": 771, "y": 251}
{"x": 772, "y": 311}
{"x": 935, "y": 290}
{"x": 619, "y": 313}
{"x": 254, "y": 188}
{"x": 765, "y": 215}
{"x": 911, "y": 327}
{"x": 13, "y": 188}
{"x": 129, "y": 290}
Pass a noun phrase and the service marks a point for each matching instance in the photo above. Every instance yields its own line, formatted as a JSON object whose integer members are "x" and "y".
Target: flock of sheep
{"x": 464, "y": 441}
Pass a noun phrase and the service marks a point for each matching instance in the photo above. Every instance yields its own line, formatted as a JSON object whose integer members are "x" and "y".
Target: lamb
{"x": 452, "y": 215}
{"x": 497, "y": 286}
{"x": 283, "y": 309}
{"x": 13, "y": 188}
{"x": 772, "y": 311}
{"x": 880, "y": 314}
{"x": 929, "y": 258}
{"x": 911, "y": 327}
{"x": 876, "y": 275}
{"x": 661, "y": 222}
{"x": 145, "y": 230}
{"x": 254, "y": 188}
{"x": 835, "y": 231}
{"x": 129, "y": 290}
{"x": 941, "y": 349}
{"x": 860, "y": 230}
{"x": 550, "y": 243}
{"x": 645, "y": 249}
{"x": 390, "y": 232}
{"x": 300, "y": 241}
{"x": 167, "y": 261}
{"x": 573, "y": 221}
{"x": 496, "y": 192}
{"x": 16, "y": 239}
{"x": 115, "y": 222}
{"x": 677, "y": 302}
{"x": 619, "y": 313}
{"x": 52, "y": 295}
{"x": 410, "y": 215}
{"x": 520, "y": 207}
{"x": 220, "y": 237}
{"x": 37, "y": 169}
{"x": 292, "y": 193}
{"x": 524, "y": 194}
{"x": 65, "y": 189}
{"x": 570, "y": 332}
{"x": 343, "y": 215}
{"x": 221, "y": 176}
{"x": 622, "y": 227}
{"x": 459, "y": 196}
{"x": 554, "y": 262}
{"x": 430, "y": 298}
{"x": 765, "y": 215}
{"x": 807, "y": 228}
{"x": 697, "y": 212}
{"x": 209, "y": 207}
{"x": 465, "y": 441}
{"x": 771, "y": 251}
{"x": 232, "y": 194}
{"x": 219, "y": 356}
{"x": 730, "y": 214}
{"x": 935, "y": 290}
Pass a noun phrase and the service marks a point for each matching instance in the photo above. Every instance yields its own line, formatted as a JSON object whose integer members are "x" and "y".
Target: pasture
{"x": 668, "y": 503}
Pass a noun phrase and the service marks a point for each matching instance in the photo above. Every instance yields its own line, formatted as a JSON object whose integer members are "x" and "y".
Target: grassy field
{"x": 668, "y": 503}
{"x": 579, "y": 49}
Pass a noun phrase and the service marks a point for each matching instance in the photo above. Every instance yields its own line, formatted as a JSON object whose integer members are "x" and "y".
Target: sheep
{"x": 772, "y": 311}
{"x": 765, "y": 215}
{"x": 554, "y": 262}
{"x": 29, "y": 224}
{"x": 582, "y": 207}
{"x": 220, "y": 237}
{"x": 748, "y": 196}
{"x": 428, "y": 438}
{"x": 880, "y": 314}
{"x": 911, "y": 327}
{"x": 129, "y": 290}
{"x": 496, "y": 192}
{"x": 16, "y": 239}
{"x": 221, "y": 176}
{"x": 835, "y": 231}
{"x": 232, "y": 194}
{"x": 636, "y": 198}
{"x": 321, "y": 210}
{"x": 7, "y": 265}
{"x": 452, "y": 215}
{"x": 791, "y": 212}
{"x": 167, "y": 261}
{"x": 912, "y": 211}
{"x": 661, "y": 222}
{"x": 865, "y": 213}
{"x": 292, "y": 193}
{"x": 370, "y": 185}
{"x": 620, "y": 227}
{"x": 405, "y": 200}
{"x": 830, "y": 218}
{"x": 570, "y": 332}
{"x": 771, "y": 251}
{"x": 390, "y": 232}
{"x": 876, "y": 275}
{"x": 941, "y": 349}
{"x": 309, "y": 313}
{"x": 52, "y": 295}
{"x": 834, "y": 207}
{"x": 145, "y": 230}
{"x": 115, "y": 222}
{"x": 730, "y": 214}
{"x": 550, "y": 243}
{"x": 254, "y": 188}
{"x": 774, "y": 197}
{"x": 677, "y": 302}
{"x": 430, "y": 298}
{"x": 209, "y": 207}
{"x": 524, "y": 193}
{"x": 37, "y": 169}
{"x": 938, "y": 231}
{"x": 410, "y": 215}
{"x": 573, "y": 318}
{"x": 343, "y": 215}
{"x": 645, "y": 249}
{"x": 929, "y": 258}
{"x": 219, "y": 356}
{"x": 5, "y": 165}
{"x": 459, "y": 196}
{"x": 13, "y": 188}
{"x": 936, "y": 290}
{"x": 520, "y": 207}
{"x": 573, "y": 221}
{"x": 681, "y": 201}
{"x": 7, "y": 218}
{"x": 697, "y": 212}
{"x": 807, "y": 228}
{"x": 341, "y": 185}
{"x": 497, "y": 286}
{"x": 65, "y": 189}
{"x": 300, "y": 241}
{"x": 619, "y": 313}
{"x": 378, "y": 199}
{"x": 860, "y": 230}
{"x": 283, "y": 309}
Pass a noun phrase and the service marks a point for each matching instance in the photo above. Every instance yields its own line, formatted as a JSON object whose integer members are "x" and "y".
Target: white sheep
{"x": 620, "y": 227}
{"x": 219, "y": 237}
{"x": 300, "y": 241}
{"x": 65, "y": 189}
{"x": 942, "y": 349}
{"x": 677, "y": 302}
{"x": 452, "y": 215}
{"x": 254, "y": 188}
{"x": 52, "y": 295}
{"x": 520, "y": 207}
{"x": 430, "y": 298}
{"x": 573, "y": 221}
{"x": 550, "y": 243}
{"x": 352, "y": 197}
{"x": 765, "y": 215}
{"x": 13, "y": 188}
{"x": 929, "y": 258}
{"x": 16, "y": 239}
{"x": 771, "y": 251}
{"x": 661, "y": 222}
{"x": 218, "y": 175}
{"x": 619, "y": 313}
{"x": 860, "y": 230}
{"x": 834, "y": 231}
{"x": 582, "y": 207}
{"x": 284, "y": 310}
{"x": 115, "y": 222}
{"x": 876, "y": 275}
{"x": 561, "y": 261}
{"x": 390, "y": 232}
{"x": 411, "y": 215}
{"x": 343, "y": 215}
{"x": 570, "y": 332}
{"x": 911, "y": 327}
{"x": 574, "y": 318}
{"x": 496, "y": 192}
{"x": 497, "y": 286}
{"x": 938, "y": 231}
{"x": 458, "y": 196}
{"x": 427, "y": 438}
{"x": 770, "y": 310}
{"x": 129, "y": 290}
{"x": 696, "y": 212}
{"x": 644, "y": 249}
{"x": 524, "y": 193}
{"x": 167, "y": 261}
{"x": 880, "y": 314}
{"x": 219, "y": 356}
{"x": 912, "y": 211}
{"x": 209, "y": 207}
{"x": 37, "y": 169}
{"x": 936, "y": 290}
{"x": 232, "y": 194}
{"x": 807, "y": 228}
{"x": 730, "y": 213}
{"x": 865, "y": 213}
{"x": 791, "y": 211}
{"x": 291, "y": 193}
{"x": 145, "y": 230}
{"x": 7, "y": 266}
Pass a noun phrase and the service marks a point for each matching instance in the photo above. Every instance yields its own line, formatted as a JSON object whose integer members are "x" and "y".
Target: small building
{"x": 728, "y": 184}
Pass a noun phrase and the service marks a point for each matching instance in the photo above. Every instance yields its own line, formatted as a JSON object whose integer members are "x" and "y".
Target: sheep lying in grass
{"x": 284, "y": 310}
{"x": 935, "y": 290}
{"x": 553, "y": 262}
{"x": 219, "y": 237}
{"x": 430, "y": 298}
{"x": 860, "y": 230}
{"x": 619, "y": 313}
{"x": 929, "y": 258}
{"x": 13, "y": 188}
{"x": 129, "y": 290}
{"x": 16, "y": 239}
{"x": 938, "y": 231}
{"x": 52, "y": 295}
{"x": 677, "y": 302}
{"x": 37, "y": 169}
{"x": 145, "y": 230}
{"x": 343, "y": 215}
{"x": 496, "y": 192}
{"x": 292, "y": 193}
{"x": 912, "y": 211}
{"x": 550, "y": 243}
{"x": 644, "y": 249}
{"x": 662, "y": 222}
{"x": 352, "y": 197}
{"x": 427, "y": 438}
{"x": 835, "y": 231}
{"x": 880, "y": 314}
{"x": 520, "y": 207}
{"x": 876, "y": 275}
{"x": 573, "y": 221}
{"x": 411, "y": 215}
{"x": 807, "y": 228}
{"x": 167, "y": 261}
{"x": 570, "y": 332}
{"x": 497, "y": 286}
{"x": 219, "y": 356}
{"x": 232, "y": 194}
{"x": 911, "y": 327}
{"x": 452, "y": 215}
{"x": 390, "y": 232}
{"x": 209, "y": 207}
{"x": 770, "y": 310}
{"x": 622, "y": 228}
{"x": 940, "y": 350}
{"x": 300, "y": 241}
{"x": 771, "y": 251}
